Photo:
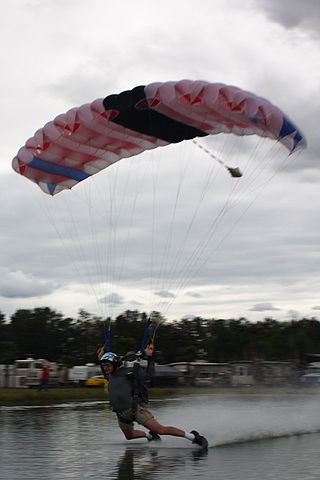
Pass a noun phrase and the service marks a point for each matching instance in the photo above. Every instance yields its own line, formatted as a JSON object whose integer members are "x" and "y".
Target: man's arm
{"x": 150, "y": 370}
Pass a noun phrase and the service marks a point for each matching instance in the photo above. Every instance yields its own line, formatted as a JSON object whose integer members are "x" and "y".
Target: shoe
{"x": 155, "y": 437}
{"x": 199, "y": 439}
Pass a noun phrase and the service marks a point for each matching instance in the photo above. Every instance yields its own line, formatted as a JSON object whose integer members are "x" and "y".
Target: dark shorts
{"x": 125, "y": 418}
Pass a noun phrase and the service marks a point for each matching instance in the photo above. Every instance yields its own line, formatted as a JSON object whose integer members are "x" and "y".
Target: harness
{"x": 135, "y": 390}
{"x": 138, "y": 389}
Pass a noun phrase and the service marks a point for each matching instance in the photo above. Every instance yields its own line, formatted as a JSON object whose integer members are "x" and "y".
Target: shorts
{"x": 125, "y": 418}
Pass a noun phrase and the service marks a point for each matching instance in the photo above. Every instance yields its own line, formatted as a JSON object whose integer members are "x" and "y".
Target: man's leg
{"x": 130, "y": 433}
{"x": 145, "y": 418}
{"x": 153, "y": 425}
{"x": 127, "y": 428}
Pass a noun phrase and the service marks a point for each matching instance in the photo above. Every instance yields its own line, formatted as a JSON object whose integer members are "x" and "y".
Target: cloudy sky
{"x": 169, "y": 230}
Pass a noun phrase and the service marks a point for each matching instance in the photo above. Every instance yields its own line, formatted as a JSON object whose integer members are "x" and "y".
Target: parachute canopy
{"x": 87, "y": 139}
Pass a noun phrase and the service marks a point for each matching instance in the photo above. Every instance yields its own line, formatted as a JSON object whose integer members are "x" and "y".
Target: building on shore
{"x": 239, "y": 373}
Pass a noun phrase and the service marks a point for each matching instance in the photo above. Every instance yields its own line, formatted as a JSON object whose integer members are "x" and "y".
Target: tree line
{"x": 45, "y": 333}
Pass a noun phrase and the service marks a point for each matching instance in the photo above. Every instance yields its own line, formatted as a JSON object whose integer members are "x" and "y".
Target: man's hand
{"x": 101, "y": 351}
{"x": 149, "y": 349}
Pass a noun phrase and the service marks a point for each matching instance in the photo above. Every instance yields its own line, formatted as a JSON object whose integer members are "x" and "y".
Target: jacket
{"x": 128, "y": 386}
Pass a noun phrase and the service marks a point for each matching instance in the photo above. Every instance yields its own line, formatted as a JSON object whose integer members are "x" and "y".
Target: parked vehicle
{"x": 29, "y": 372}
{"x": 80, "y": 373}
{"x": 96, "y": 381}
{"x": 312, "y": 374}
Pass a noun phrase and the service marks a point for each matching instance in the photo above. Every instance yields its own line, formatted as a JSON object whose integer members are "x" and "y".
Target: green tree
{"x": 8, "y": 352}
{"x": 3, "y": 328}
{"x": 187, "y": 354}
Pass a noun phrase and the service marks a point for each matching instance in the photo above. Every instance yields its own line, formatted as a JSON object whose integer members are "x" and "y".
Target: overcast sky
{"x": 147, "y": 233}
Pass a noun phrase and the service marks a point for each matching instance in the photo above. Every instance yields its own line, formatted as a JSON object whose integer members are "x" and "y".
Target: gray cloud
{"x": 164, "y": 294}
{"x": 19, "y": 284}
{"x": 113, "y": 299}
{"x": 194, "y": 294}
{"x": 294, "y": 13}
{"x": 293, "y": 314}
{"x": 263, "y": 307}
{"x": 189, "y": 317}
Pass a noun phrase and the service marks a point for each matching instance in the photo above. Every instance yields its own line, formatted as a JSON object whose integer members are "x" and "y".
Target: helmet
{"x": 112, "y": 358}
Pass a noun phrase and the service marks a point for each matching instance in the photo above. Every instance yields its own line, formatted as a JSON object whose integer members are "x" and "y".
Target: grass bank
{"x": 32, "y": 397}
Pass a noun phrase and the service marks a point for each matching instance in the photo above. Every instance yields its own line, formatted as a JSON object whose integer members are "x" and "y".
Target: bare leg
{"x": 130, "y": 433}
{"x": 156, "y": 427}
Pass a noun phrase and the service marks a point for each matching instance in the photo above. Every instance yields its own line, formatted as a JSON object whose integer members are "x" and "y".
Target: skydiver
{"x": 128, "y": 395}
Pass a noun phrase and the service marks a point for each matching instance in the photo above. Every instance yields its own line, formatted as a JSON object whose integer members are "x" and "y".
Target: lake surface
{"x": 251, "y": 437}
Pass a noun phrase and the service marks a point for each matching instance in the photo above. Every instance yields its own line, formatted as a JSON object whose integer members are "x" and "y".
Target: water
{"x": 251, "y": 437}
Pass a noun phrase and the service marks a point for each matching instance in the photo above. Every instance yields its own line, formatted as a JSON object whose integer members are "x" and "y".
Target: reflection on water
{"x": 251, "y": 438}
{"x": 144, "y": 463}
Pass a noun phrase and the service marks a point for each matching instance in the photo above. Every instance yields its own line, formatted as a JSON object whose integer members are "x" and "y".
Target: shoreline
{"x": 63, "y": 395}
